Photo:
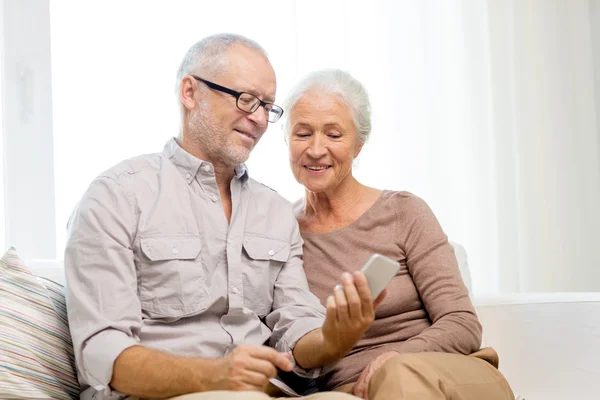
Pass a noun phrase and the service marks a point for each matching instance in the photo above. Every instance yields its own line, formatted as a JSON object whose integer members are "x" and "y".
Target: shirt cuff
{"x": 287, "y": 343}
{"x": 99, "y": 355}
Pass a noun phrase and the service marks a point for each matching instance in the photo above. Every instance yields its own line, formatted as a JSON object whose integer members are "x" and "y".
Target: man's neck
{"x": 223, "y": 173}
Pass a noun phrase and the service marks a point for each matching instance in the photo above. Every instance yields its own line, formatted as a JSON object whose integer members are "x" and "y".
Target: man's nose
{"x": 259, "y": 117}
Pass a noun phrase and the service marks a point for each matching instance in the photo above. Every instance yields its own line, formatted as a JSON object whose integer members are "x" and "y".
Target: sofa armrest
{"x": 548, "y": 342}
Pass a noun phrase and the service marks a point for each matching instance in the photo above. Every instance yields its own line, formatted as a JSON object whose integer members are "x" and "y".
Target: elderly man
{"x": 180, "y": 268}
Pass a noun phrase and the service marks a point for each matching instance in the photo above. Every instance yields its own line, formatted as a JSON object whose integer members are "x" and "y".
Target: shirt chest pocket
{"x": 262, "y": 260}
{"x": 171, "y": 276}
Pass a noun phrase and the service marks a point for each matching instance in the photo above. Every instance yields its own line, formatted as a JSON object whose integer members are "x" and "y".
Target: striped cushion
{"x": 36, "y": 353}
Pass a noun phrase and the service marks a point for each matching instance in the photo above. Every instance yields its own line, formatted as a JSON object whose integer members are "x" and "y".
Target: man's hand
{"x": 350, "y": 312}
{"x": 248, "y": 368}
{"x": 361, "y": 388}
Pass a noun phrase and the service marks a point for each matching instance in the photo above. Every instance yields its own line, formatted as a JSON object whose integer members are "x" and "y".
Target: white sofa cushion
{"x": 548, "y": 342}
{"x": 463, "y": 265}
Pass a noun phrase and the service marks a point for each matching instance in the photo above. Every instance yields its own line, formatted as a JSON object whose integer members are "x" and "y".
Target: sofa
{"x": 548, "y": 342}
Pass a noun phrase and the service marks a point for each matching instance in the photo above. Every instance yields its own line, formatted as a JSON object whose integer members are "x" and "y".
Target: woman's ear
{"x": 357, "y": 149}
{"x": 186, "y": 92}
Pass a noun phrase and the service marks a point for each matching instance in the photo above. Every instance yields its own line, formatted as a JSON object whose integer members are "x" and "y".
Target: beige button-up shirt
{"x": 152, "y": 260}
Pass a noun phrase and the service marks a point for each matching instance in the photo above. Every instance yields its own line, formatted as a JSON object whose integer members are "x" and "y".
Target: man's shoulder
{"x": 142, "y": 164}
{"x": 298, "y": 206}
{"x": 259, "y": 185}
{"x": 266, "y": 192}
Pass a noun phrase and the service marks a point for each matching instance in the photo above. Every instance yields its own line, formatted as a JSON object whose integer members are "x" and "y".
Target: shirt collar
{"x": 189, "y": 166}
{"x": 241, "y": 171}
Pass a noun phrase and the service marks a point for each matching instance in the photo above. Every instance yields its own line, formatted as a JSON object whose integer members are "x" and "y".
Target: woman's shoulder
{"x": 408, "y": 208}
{"x": 404, "y": 201}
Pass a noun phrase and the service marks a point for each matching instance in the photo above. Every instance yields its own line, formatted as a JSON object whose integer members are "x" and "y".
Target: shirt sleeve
{"x": 431, "y": 263}
{"x": 296, "y": 311}
{"x": 103, "y": 307}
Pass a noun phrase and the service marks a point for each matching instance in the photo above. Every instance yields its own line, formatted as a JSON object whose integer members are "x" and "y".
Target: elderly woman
{"x": 424, "y": 343}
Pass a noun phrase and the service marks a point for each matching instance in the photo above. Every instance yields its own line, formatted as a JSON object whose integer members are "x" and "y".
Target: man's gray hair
{"x": 341, "y": 84}
{"x": 208, "y": 56}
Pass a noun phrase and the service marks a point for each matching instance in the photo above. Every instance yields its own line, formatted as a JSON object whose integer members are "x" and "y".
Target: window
{"x": 461, "y": 115}
{"x": 2, "y": 158}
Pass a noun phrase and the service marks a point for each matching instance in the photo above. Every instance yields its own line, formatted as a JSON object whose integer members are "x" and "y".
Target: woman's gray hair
{"x": 339, "y": 83}
{"x": 208, "y": 57}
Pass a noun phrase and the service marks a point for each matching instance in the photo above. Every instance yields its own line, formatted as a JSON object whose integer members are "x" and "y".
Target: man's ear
{"x": 186, "y": 92}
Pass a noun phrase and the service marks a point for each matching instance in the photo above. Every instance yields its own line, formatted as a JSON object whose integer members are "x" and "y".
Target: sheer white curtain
{"x": 26, "y": 108}
{"x": 547, "y": 143}
{"x": 2, "y": 208}
{"x": 2, "y": 158}
{"x": 485, "y": 109}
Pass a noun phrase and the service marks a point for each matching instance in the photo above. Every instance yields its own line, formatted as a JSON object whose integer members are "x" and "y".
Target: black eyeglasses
{"x": 246, "y": 102}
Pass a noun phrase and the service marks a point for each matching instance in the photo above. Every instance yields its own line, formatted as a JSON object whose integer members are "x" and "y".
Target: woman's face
{"x": 322, "y": 142}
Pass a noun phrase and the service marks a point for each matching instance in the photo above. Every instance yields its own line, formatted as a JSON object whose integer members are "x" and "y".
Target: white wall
{"x": 27, "y": 128}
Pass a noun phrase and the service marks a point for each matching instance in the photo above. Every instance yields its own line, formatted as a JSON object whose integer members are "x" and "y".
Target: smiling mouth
{"x": 317, "y": 167}
{"x": 246, "y": 134}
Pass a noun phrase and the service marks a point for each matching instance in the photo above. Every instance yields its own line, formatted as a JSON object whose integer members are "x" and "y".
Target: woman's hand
{"x": 350, "y": 312}
{"x": 361, "y": 388}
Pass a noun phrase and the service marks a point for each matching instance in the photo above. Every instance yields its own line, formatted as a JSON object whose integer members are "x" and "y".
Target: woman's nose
{"x": 317, "y": 147}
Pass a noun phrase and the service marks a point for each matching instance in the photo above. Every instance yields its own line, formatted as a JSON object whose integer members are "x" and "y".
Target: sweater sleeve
{"x": 432, "y": 264}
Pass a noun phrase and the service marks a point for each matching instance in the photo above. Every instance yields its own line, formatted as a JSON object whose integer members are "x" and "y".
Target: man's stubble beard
{"x": 214, "y": 140}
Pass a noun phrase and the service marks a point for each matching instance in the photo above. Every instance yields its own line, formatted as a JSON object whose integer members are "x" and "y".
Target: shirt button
{"x": 271, "y": 252}
{"x": 206, "y": 167}
{"x": 235, "y": 290}
{"x": 229, "y": 241}
{"x": 215, "y": 198}
{"x": 175, "y": 250}
{"x": 188, "y": 176}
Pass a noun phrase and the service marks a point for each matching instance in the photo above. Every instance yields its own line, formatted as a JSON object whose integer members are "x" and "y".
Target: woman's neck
{"x": 336, "y": 208}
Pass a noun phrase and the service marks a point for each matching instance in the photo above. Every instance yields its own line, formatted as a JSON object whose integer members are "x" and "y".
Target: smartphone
{"x": 379, "y": 271}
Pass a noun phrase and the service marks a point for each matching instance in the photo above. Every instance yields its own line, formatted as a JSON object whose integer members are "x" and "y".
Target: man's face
{"x": 225, "y": 133}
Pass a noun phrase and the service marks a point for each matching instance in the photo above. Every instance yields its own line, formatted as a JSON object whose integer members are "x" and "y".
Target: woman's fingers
{"x": 379, "y": 299}
{"x": 352, "y": 297}
{"x": 331, "y": 313}
{"x": 341, "y": 303}
{"x": 362, "y": 287}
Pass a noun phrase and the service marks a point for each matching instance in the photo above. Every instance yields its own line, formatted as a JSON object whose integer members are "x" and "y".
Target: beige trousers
{"x": 418, "y": 376}
{"x": 273, "y": 393}
{"x": 439, "y": 376}
{"x": 227, "y": 395}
